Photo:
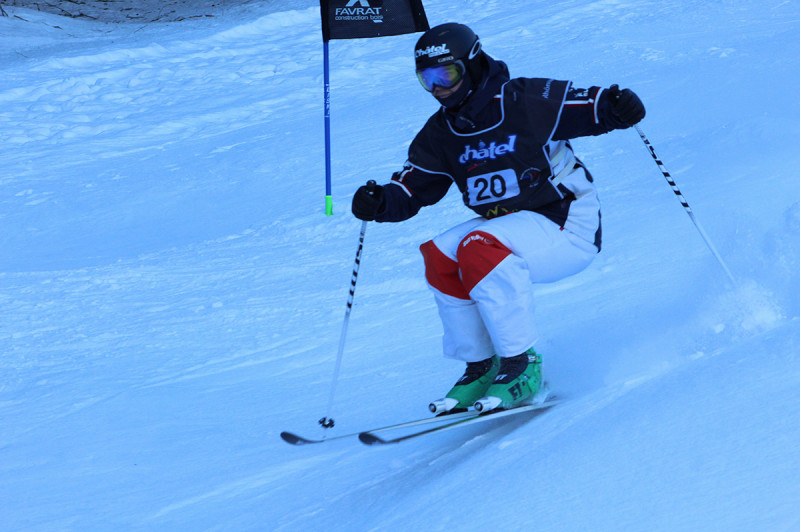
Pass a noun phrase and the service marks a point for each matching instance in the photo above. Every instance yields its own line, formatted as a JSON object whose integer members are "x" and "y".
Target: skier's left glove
{"x": 626, "y": 106}
{"x": 367, "y": 201}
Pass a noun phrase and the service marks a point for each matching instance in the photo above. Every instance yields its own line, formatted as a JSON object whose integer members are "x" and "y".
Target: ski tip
{"x": 368, "y": 438}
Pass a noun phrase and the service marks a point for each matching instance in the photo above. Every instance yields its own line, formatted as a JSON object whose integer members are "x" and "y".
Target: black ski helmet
{"x": 448, "y": 43}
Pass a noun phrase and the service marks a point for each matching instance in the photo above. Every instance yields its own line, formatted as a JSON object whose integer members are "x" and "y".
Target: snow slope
{"x": 172, "y": 294}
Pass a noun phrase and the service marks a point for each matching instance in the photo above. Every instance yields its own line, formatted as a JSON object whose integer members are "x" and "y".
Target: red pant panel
{"x": 478, "y": 254}
{"x": 442, "y": 272}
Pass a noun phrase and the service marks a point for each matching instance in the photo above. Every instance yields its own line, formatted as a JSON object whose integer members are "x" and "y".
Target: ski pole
{"x": 685, "y": 204}
{"x": 327, "y": 421}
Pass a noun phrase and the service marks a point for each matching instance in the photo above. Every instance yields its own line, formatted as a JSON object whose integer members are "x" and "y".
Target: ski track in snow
{"x": 173, "y": 296}
{"x": 123, "y": 86}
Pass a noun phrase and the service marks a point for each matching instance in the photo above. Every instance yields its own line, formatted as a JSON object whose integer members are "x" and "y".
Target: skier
{"x": 504, "y": 142}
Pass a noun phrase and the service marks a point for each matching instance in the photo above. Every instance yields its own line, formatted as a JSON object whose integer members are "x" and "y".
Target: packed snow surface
{"x": 172, "y": 293}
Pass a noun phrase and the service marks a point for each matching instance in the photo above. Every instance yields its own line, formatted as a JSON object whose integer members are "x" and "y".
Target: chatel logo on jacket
{"x": 492, "y": 151}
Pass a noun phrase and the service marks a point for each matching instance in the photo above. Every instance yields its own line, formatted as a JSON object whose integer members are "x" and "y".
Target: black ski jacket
{"x": 506, "y": 149}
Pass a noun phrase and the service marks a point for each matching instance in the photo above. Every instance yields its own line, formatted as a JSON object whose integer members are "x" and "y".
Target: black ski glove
{"x": 626, "y": 106}
{"x": 367, "y": 201}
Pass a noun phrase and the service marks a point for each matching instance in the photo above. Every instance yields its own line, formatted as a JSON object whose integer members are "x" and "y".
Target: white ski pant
{"x": 482, "y": 272}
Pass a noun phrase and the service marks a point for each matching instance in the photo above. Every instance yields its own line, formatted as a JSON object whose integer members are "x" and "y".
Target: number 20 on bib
{"x": 492, "y": 187}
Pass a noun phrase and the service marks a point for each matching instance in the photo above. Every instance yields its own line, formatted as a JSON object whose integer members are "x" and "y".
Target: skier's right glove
{"x": 367, "y": 201}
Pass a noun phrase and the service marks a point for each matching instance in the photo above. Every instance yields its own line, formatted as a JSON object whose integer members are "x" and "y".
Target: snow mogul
{"x": 504, "y": 143}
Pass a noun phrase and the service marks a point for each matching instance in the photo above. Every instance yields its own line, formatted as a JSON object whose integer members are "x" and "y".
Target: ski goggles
{"x": 445, "y": 76}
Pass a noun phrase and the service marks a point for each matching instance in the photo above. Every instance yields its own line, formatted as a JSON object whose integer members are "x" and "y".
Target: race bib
{"x": 492, "y": 187}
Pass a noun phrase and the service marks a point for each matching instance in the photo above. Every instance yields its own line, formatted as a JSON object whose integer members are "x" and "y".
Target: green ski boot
{"x": 470, "y": 387}
{"x": 518, "y": 379}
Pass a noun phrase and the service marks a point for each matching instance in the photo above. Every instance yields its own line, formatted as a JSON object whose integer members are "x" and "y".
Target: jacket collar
{"x": 463, "y": 118}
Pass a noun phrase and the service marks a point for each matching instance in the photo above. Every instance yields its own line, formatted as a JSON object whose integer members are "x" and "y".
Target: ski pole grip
{"x": 371, "y": 186}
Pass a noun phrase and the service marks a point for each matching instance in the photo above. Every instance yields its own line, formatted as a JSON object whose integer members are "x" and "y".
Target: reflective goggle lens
{"x": 444, "y": 76}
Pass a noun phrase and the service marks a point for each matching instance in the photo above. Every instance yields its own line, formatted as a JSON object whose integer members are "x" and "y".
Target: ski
{"x": 295, "y": 439}
{"x": 370, "y": 438}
